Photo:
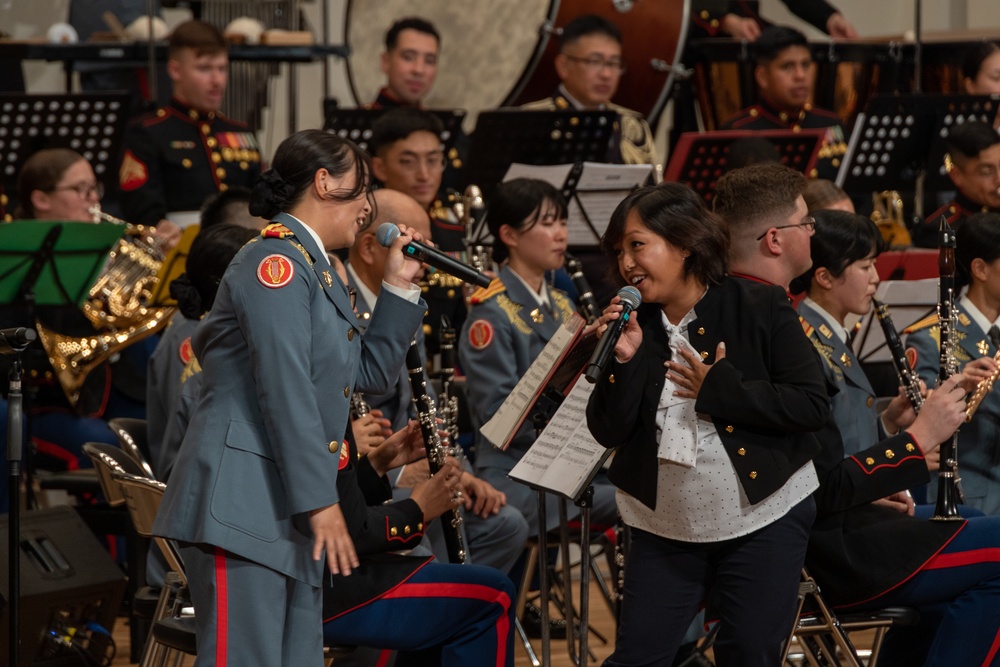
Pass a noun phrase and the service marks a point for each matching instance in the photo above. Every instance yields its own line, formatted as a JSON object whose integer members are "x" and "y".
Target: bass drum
{"x": 501, "y": 53}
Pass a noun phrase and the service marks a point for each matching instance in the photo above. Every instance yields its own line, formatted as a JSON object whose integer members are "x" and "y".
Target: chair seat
{"x": 144, "y": 602}
{"x": 896, "y": 615}
{"x": 177, "y": 633}
{"x": 74, "y": 482}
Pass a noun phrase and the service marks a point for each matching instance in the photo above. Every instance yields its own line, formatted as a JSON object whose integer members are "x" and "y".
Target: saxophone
{"x": 118, "y": 306}
{"x": 907, "y": 378}
{"x": 436, "y": 452}
{"x": 887, "y": 214}
{"x": 949, "y": 493}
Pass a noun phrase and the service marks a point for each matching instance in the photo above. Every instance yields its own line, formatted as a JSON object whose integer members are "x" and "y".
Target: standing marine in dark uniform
{"x": 785, "y": 77}
{"x": 409, "y": 63}
{"x": 973, "y": 163}
{"x": 182, "y": 153}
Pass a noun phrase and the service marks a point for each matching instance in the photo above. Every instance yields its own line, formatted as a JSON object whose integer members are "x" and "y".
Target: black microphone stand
{"x": 14, "y": 444}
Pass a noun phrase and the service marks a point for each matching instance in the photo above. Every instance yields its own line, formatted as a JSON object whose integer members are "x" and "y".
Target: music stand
{"x": 909, "y": 301}
{"x": 92, "y": 124}
{"x": 899, "y": 137}
{"x": 701, "y": 158}
{"x": 356, "y": 124}
{"x": 174, "y": 264}
{"x": 506, "y": 136}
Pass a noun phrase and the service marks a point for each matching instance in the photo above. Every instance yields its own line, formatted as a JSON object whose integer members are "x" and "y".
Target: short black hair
{"x": 517, "y": 203}
{"x": 976, "y": 237}
{"x": 211, "y": 252}
{"x": 975, "y": 57}
{"x": 410, "y": 23}
{"x": 678, "y": 214}
{"x": 970, "y": 139}
{"x": 773, "y": 40}
{"x": 588, "y": 24}
{"x": 217, "y": 209}
{"x": 841, "y": 238}
{"x": 397, "y": 124}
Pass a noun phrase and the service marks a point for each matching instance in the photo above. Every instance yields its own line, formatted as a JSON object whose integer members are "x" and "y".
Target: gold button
{"x": 451, "y": 294}
{"x": 393, "y": 531}
{"x": 244, "y": 165}
{"x": 406, "y": 530}
{"x": 227, "y": 154}
{"x": 741, "y": 451}
{"x": 223, "y": 187}
{"x": 729, "y": 429}
{"x": 753, "y": 474}
{"x": 220, "y": 172}
{"x": 347, "y": 392}
{"x": 889, "y": 454}
{"x": 611, "y": 378}
{"x": 350, "y": 334}
{"x": 910, "y": 447}
{"x": 715, "y": 23}
{"x": 216, "y": 158}
{"x": 701, "y": 331}
{"x": 871, "y": 401}
{"x": 211, "y": 142}
{"x": 704, "y": 355}
{"x": 870, "y": 461}
{"x": 428, "y": 330}
{"x": 205, "y": 129}
{"x": 186, "y": 163}
{"x": 334, "y": 446}
{"x": 420, "y": 526}
{"x": 705, "y": 14}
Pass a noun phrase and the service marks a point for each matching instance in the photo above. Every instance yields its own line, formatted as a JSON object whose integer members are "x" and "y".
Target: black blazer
{"x": 766, "y": 397}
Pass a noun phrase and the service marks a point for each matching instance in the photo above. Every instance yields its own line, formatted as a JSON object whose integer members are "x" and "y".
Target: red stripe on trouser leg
{"x": 221, "y": 609}
{"x": 383, "y": 658}
{"x": 960, "y": 558}
{"x": 472, "y": 591}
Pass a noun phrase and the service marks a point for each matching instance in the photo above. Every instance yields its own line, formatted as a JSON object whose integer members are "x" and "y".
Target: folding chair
{"x": 133, "y": 439}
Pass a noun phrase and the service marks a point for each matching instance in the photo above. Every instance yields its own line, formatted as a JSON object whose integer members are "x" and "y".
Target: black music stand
{"x": 92, "y": 124}
{"x": 898, "y": 138}
{"x": 506, "y": 136}
{"x": 701, "y": 158}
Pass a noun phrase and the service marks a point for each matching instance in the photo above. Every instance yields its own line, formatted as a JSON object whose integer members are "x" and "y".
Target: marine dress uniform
{"x": 176, "y": 157}
{"x": 507, "y": 328}
{"x": 763, "y": 116}
{"x": 954, "y": 212}
{"x": 979, "y": 440}
{"x": 281, "y": 353}
{"x": 633, "y": 137}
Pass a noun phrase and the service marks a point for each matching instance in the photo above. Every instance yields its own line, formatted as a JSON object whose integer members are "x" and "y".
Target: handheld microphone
{"x": 630, "y": 300}
{"x": 588, "y": 304}
{"x": 16, "y": 340}
{"x": 387, "y": 233}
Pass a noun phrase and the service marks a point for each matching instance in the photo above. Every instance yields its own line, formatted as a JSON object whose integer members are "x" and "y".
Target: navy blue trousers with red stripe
{"x": 960, "y": 589}
{"x": 460, "y": 614}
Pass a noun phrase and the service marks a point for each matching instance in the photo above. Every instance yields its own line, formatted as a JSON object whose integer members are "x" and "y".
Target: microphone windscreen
{"x": 387, "y": 233}
{"x": 630, "y": 296}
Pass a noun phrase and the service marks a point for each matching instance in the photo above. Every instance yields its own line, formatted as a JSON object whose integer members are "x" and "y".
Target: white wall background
{"x": 25, "y": 19}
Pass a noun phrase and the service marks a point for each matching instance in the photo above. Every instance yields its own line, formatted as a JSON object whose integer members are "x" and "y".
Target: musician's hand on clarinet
{"x": 976, "y": 371}
{"x": 481, "y": 497}
{"x": 330, "y": 532}
{"x": 899, "y": 414}
{"x": 691, "y": 375}
{"x": 404, "y": 446}
{"x": 440, "y": 493}
{"x": 901, "y": 501}
{"x": 631, "y": 338}
{"x": 942, "y": 413}
{"x": 369, "y": 431}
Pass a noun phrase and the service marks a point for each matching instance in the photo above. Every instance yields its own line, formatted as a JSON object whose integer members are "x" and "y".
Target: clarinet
{"x": 907, "y": 378}
{"x": 436, "y": 452}
{"x": 448, "y": 400}
{"x": 588, "y": 304}
{"x": 949, "y": 493}
{"x": 359, "y": 406}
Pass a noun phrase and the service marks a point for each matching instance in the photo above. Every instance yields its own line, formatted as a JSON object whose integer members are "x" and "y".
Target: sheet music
{"x": 565, "y": 455}
{"x": 909, "y": 301}
{"x": 555, "y": 174}
{"x": 500, "y": 429}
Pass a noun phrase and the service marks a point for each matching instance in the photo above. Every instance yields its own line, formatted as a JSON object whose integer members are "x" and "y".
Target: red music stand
{"x": 700, "y": 158}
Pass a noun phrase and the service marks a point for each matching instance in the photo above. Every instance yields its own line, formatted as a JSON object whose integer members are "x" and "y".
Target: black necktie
{"x": 994, "y": 334}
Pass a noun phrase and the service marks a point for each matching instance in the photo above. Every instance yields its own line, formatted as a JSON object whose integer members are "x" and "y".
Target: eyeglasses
{"x": 84, "y": 189}
{"x": 597, "y": 63}
{"x": 412, "y": 162}
{"x": 809, "y": 223}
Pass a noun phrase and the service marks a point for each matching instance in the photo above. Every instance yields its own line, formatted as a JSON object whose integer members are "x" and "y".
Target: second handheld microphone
{"x": 387, "y": 233}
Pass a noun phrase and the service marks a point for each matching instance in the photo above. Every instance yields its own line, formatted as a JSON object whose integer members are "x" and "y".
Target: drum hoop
{"x": 668, "y": 85}
{"x": 545, "y": 34}
{"x": 347, "y": 66}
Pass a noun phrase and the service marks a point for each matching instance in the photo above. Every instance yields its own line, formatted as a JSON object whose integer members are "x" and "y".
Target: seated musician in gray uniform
{"x": 590, "y": 67}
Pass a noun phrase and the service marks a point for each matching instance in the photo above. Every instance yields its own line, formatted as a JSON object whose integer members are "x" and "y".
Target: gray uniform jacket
{"x": 280, "y": 352}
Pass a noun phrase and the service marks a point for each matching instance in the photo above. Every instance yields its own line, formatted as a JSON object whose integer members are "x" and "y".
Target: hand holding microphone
{"x": 628, "y": 301}
{"x": 387, "y": 234}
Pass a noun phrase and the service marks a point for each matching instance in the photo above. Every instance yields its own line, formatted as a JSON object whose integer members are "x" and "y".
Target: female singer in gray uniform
{"x": 252, "y": 497}
{"x": 710, "y": 404}
{"x": 510, "y": 323}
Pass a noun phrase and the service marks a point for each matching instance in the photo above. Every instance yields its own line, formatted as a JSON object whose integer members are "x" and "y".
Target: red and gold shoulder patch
{"x": 345, "y": 456}
{"x": 275, "y": 271}
{"x": 133, "y": 173}
{"x": 481, "y": 334}
{"x": 184, "y": 351}
{"x": 485, "y": 293}
{"x": 276, "y": 231}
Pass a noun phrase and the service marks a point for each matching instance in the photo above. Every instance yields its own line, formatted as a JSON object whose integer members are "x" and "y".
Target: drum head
{"x": 485, "y": 47}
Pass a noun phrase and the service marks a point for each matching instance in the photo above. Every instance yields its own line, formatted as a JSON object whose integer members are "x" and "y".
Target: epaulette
{"x": 806, "y": 327}
{"x": 928, "y": 321}
{"x": 276, "y": 230}
{"x": 485, "y": 293}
